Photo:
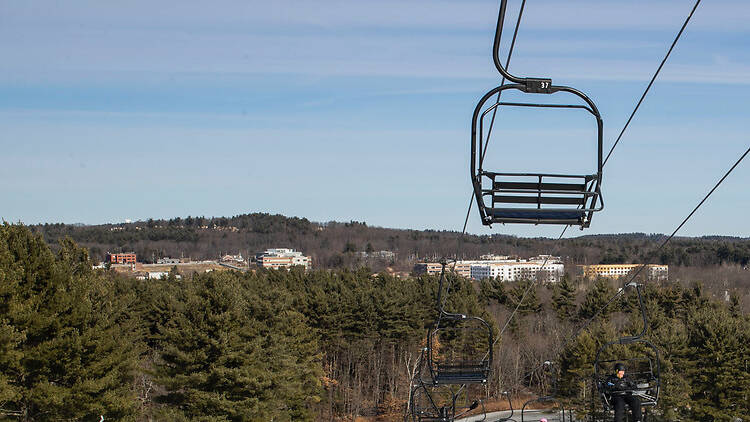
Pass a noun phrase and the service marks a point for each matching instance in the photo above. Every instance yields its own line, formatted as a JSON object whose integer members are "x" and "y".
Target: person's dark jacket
{"x": 619, "y": 384}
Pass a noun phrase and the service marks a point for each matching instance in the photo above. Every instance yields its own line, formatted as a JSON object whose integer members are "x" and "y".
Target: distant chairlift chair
{"x": 453, "y": 368}
{"x": 443, "y": 403}
{"x": 643, "y": 369}
{"x": 459, "y": 347}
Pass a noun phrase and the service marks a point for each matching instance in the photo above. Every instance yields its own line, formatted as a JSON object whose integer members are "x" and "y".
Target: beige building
{"x": 652, "y": 271}
{"x": 282, "y": 258}
{"x": 431, "y": 268}
{"x": 462, "y": 268}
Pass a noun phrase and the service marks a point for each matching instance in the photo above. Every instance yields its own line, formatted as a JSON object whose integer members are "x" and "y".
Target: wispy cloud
{"x": 390, "y": 83}
{"x": 421, "y": 38}
{"x": 130, "y": 51}
{"x": 445, "y": 15}
{"x": 127, "y": 55}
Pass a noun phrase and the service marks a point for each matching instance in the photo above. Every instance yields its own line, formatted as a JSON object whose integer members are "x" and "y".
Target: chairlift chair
{"x": 459, "y": 347}
{"x": 459, "y": 350}
{"x": 453, "y": 369}
{"x": 643, "y": 369}
{"x": 426, "y": 406}
{"x": 532, "y": 197}
{"x": 444, "y": 403}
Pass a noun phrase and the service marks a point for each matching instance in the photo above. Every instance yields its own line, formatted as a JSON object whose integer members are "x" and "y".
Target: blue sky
{"x": 359, "y": 110}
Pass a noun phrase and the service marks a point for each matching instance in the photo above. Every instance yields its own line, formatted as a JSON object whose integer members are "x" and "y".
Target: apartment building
{"x": 384, "y": 255}
{"x": 652, "y": 271}
{"x": 282, "y": 258}
{"x": 548, "y": 268}
{"x": 549, "y": 272}
{"x": 462, "y": 268}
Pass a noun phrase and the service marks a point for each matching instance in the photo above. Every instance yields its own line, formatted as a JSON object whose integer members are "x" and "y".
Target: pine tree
{"x": 493, "y": 289}
{"x": 69, "y": 345}
{"x": 735, "y": 307}
{"x": 717, "y": 368}
{"x": 524, "y": 290}
{"x": 576, "y": 367}
{"x": 596, "y": 298}
{"x": 577, "y": 364}
{"x": 564, "y": 299}
{"x": 670, "y": 337}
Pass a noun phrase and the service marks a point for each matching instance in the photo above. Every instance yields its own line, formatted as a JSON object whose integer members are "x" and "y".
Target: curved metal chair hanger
{"x": 509, "y": 418}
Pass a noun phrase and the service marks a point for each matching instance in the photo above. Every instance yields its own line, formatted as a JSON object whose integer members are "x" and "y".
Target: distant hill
{"x": 343, "y": 244}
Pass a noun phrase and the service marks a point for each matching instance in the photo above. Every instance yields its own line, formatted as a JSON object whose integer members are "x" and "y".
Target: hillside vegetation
{"x": 323, "y": 345}
{"x": 721, "y": 263}
{"x": 333, "y": 244}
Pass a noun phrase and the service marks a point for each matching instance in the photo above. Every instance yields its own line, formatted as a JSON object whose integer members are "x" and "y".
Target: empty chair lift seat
{"x": 551, "y": 199}
{"x": 469, "y": 373}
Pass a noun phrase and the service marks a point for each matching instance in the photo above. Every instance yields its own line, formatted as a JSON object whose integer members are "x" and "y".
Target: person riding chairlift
{"x": 621, "y": 389}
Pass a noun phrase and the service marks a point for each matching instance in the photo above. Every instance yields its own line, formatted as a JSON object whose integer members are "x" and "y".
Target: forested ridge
{"x": 335, "y": 244}
{"x": 76, "y": 343}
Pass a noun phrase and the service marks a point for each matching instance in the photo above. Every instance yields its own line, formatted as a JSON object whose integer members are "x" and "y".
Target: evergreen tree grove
{"x": 596, "y": 298}
{"x": 69, "y": 346}
{"x": 717, "y": 364}
{"x": 78, "y": 343}
{"x": 234, "y": 349}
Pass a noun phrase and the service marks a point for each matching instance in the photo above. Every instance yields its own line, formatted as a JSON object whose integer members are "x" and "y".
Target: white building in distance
{"x": 549, "y": 272}
{"x": 384, "y": 255}
{"x": 548, "y": 268}
{"x": 282, "y": 258}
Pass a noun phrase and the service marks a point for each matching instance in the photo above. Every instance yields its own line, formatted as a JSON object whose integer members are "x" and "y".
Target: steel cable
{"x": 492, "y": 122}
{"x": 620, "y": 291}
{"x": 619, "y": 137}
{"x": 653, "y": 78}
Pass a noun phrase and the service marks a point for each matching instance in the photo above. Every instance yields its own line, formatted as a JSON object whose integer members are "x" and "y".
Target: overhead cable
{"x": 653, "y": 252}
{"x": 619, "y": 137}
{"x": 653, "y": 78}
